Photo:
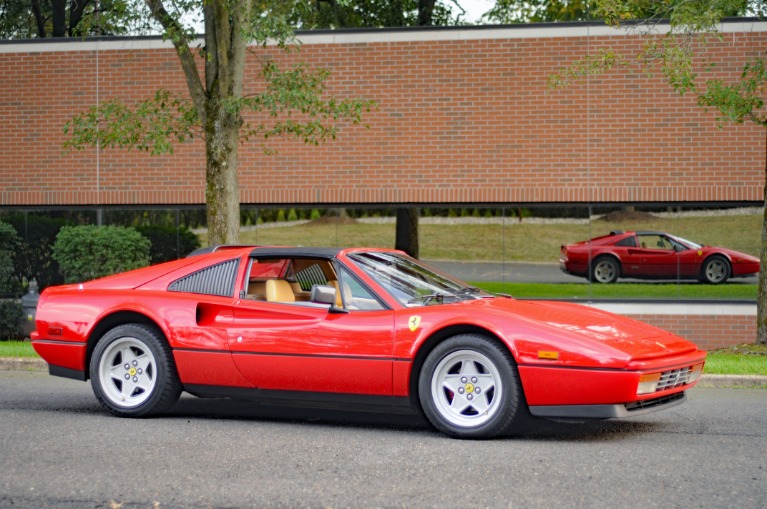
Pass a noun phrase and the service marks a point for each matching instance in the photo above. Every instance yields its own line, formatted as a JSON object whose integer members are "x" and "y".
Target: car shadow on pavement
{"x": 529, "y": 428}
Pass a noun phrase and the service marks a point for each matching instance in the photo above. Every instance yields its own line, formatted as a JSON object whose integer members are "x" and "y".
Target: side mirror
{"x": 322, "y": 294}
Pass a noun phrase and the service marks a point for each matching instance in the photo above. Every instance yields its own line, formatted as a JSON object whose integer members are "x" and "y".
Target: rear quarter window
{"x": 214, "y": 280}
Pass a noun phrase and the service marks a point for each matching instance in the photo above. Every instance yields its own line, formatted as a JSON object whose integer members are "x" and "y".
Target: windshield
{"x": 412, "y": 283}
{"x": 686, "y": 243}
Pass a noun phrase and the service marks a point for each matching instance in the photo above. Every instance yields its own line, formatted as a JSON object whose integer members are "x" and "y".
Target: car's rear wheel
{"x": 469, "y": 387}
{"x": 716, "y": 270}
{"x": 605, "y": 270}
{"x": 132, "y": 372}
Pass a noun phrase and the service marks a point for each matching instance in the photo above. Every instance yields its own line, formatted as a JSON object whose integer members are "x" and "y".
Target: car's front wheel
{"x": 715, "y": 270}
{"x": 469, "y": 387}
{"x": 132, "y": 372}
{"x": 605, "y": 270}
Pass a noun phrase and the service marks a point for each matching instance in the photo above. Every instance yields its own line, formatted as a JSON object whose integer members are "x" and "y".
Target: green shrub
{"x": 10, "y": 242}
{"x": 168, "y": 243}
{"x": 11, "y": 314}
{"x": 90, "y": 252}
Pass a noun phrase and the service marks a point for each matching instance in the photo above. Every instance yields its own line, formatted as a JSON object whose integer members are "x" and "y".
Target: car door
{"x": 302, "y": 346}
{"x": 654, "y": 257}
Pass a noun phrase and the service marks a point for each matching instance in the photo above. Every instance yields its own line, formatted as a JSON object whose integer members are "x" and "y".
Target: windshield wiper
{"x": 468, "y": 290}
{"x": 428, "y": 298}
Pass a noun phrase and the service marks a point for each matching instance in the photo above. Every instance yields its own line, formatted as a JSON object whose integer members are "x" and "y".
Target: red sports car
{"x": 362, "y": 326}
{"x": 653, "y": 255}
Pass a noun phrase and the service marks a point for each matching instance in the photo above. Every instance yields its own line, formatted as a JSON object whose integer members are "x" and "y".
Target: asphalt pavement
{"x": 60, "y": 450}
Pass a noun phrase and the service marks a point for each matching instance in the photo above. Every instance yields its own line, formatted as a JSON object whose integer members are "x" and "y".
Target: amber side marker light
{"x": 548, "y": 354}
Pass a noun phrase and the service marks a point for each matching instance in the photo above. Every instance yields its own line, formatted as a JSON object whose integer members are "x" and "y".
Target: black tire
{"x": 133, "y": 373}
{"x": 715, "y": 270}
{"x": 469, "y": 387}
{"x": 605, "y": 269}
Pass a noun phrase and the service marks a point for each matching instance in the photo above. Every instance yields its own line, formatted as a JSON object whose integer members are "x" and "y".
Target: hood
{"x": 577, "y": 328}
{"x": 735, "y": 256}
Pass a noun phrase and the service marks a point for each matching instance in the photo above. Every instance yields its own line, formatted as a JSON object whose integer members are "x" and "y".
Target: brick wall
{"x": 709, "y": 325}
{"x": 708, "y": 332}
{"x": 463, "y": 116}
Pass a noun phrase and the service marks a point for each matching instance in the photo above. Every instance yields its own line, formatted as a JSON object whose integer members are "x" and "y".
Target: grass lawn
{"x": 738, "y": 360}
{"x": 510, "y": 241}
{"x": 732, "y": 291}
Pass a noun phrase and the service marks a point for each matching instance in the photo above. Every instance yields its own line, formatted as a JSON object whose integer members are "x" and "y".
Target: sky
{"x": 476, "y": 8}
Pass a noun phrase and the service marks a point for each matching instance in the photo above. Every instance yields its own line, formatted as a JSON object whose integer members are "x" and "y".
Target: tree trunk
{"x": 59, "y": 12}
{"x": 407, "y": 231}
{"x": 425, "y": 11}
{"x": 761, "y": 296}
{"x": 39, "y": 19}
{"x": 222, "y": 189}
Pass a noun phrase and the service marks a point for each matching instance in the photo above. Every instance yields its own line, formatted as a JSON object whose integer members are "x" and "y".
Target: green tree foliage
{"x": 221, "y": 108}
{"x": 376, "y": 14}
{"x": 536, "y": 11}
{"x": 168, "y": 243}
{"x": 27, "y": 19}
{"x": 691, "y": 24}
{"x": 90, "y": 252}
{"x": 34, "y": 257}
{"x": 10, "y": 242}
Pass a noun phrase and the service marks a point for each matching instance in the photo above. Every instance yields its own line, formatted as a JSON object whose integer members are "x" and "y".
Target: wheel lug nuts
{"x": 469, "y": 397}
{"x": 135, "y": 379}
{"x": 477, "y": 390}
{"x": 127, "y": 366}
{"x": 461, "y": 390}
{"x": 127, "y": 376}
{"x": 140, "y": 371}
{"x": 474, "y": 379}
{"x": 135, "y": 363}
{"x": 464, "y": 379}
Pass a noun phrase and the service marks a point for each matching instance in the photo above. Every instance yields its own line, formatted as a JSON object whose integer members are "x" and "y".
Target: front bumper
{"x": 592, "y": 412}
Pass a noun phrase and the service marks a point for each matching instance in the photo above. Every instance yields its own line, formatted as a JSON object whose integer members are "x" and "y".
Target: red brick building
{"x": 463, "y": 116}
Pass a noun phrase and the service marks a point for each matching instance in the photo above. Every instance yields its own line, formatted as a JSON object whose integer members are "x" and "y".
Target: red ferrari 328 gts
{"x": 361, "y": 326}
{"x": 653, "y": 255}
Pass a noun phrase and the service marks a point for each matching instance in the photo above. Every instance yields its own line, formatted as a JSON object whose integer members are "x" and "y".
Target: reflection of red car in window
{"x": 653, "y": 255}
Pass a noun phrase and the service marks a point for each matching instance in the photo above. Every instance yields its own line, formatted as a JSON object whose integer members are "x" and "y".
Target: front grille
{"x": 674, "y": 378}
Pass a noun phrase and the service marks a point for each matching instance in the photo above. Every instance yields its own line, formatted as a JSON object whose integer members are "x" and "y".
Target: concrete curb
{"x": 721, "y": 381}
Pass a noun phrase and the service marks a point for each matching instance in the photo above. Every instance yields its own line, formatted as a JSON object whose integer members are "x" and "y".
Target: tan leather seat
{"x": 279, "y": 290}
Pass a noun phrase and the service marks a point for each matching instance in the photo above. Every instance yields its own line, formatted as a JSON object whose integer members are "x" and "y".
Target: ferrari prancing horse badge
{"x": 414, "y": 322}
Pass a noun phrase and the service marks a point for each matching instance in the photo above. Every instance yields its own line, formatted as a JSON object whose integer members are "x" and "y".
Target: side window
{"x": 356, "y": 296}
{"x": 655, "y": 242}
{"x": 627, "y": 242}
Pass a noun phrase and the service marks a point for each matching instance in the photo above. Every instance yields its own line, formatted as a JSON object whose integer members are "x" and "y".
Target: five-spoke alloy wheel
{"x": 469, "y": 387}
{"x": 605, "y": 270}
{"x": 715, "y": 270}
{"x": 132, "y": 372}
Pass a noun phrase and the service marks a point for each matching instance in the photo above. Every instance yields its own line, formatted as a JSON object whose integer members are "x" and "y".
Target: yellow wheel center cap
{"x": 132, "y": 371}
{"x": 469, "y": 388}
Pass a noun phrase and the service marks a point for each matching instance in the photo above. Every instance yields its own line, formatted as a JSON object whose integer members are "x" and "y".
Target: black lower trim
{"x": 74, "y": 374}
{"x": 358, "y": 402}
{"x": 589, "y": 412}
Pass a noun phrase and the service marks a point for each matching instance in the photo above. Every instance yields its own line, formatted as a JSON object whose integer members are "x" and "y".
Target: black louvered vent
{"x": 311, "y": 276}
{"x": 215, "y": 280}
